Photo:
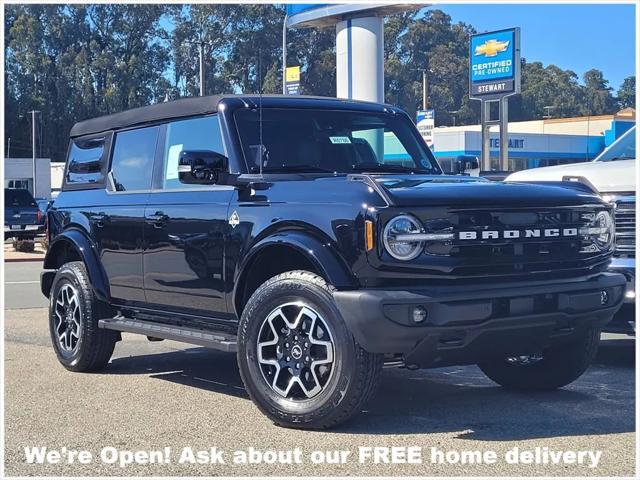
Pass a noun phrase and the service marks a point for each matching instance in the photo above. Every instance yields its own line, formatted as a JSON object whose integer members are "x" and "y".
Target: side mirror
{"x": 201, "y": 167}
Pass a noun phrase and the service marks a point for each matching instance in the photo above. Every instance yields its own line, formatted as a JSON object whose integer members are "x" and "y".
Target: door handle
{"x": 98, "y": 219}
{"x": 158, "y": 220}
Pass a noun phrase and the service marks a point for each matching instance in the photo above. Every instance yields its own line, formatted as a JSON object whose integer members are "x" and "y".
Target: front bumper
{"x": 469, "y": 324}
{"x": 625, "y": 319}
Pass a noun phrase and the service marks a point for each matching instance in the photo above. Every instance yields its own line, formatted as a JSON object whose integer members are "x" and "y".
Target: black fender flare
{"x": 84, "y": 247}
{"x": 322, "y": 255}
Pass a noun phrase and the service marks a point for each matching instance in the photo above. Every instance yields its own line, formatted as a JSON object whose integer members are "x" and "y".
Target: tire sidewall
{"x": 258, "y": 308}
{"x": 68, "y": 275}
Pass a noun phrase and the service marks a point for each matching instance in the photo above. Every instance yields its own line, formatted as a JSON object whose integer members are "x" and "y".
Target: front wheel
{"x": 551, "y": 369}
{"x": 299, "y": 362}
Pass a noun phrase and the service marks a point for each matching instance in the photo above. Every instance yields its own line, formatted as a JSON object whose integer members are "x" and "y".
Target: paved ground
{"x": 22, "y": 285}
{"x": 156, "y": 395}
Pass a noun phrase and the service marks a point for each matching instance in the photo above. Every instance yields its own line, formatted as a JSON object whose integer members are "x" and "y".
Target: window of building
{"x": 194, "y": 134}
{"x": 132, "y": 160}
{"x": 85, "y": 162}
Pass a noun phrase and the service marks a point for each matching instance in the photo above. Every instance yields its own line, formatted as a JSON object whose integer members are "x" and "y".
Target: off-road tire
{"x": 559, "y": 366}
{"x": 356, "y": 371}
{"x": 95, "y": 345}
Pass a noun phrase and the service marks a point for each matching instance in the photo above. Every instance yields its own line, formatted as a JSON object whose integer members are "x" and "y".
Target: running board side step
{"x": 219, "y": 341}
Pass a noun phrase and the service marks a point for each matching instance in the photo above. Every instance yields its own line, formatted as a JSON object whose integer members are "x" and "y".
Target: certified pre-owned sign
{"x": 494, "y": 64}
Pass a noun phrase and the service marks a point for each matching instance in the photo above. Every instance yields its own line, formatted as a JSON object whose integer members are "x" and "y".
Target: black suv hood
{"x": 443, "y": 190}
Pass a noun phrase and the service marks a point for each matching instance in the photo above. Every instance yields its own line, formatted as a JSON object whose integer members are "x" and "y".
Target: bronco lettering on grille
{"x": 527, "y": 233}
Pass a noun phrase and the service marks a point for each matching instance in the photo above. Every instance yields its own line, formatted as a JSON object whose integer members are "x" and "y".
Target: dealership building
{"x": 536, "y": 143}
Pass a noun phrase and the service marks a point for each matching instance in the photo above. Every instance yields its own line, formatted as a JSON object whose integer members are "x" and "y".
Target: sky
{"x": 574, "y": 37}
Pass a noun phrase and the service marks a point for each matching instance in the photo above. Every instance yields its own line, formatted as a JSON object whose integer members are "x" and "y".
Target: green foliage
{"x": 627, "y": 93}
{"x": 74, "y": 62}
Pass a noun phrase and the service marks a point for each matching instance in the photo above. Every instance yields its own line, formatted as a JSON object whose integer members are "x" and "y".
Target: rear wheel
{"x": 73, "y": 321}
{"x": 551, "y": 369}
{"x": 298, "y": 361}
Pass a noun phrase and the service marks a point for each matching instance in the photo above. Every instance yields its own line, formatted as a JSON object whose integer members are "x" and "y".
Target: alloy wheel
{"x": 68, "y": 318}
{"x": 295, "y": 351}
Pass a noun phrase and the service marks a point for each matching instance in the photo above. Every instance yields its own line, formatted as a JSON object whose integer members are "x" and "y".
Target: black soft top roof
{"x": 193, "y": 106}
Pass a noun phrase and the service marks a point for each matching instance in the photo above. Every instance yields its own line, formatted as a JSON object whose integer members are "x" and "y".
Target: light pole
{"x": 284, "y": 55}
{"x": 201, "y": 54}
{"x": 201, "y": 43}
{"x": 33, "y": 145}
{"x": 425, "y": 100}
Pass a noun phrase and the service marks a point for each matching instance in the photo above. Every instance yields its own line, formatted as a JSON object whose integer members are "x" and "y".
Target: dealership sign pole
{"x": 494, "y": 75}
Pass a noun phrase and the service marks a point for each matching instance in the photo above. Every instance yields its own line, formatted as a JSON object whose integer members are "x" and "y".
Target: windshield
{"x": 18, "y": 198}
{"x": 332, "y": 141}
{"x": 624, "y": 148}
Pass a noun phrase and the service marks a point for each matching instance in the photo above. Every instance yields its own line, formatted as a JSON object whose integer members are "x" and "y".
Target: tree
{"x": 597, "y": 94}
{"x": 72, "y": 62}
{"x": 433, "y": 43}
{"x": 627, "y": 93}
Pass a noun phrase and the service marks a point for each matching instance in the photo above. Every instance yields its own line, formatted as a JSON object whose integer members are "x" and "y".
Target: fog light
{"x": 419, "y": 314}
{"x": 604, "y": 297}
{"x": 630, "y": 294}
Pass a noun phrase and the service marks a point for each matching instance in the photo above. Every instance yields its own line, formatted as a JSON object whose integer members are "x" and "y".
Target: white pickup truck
{"x": 613, "y": 175}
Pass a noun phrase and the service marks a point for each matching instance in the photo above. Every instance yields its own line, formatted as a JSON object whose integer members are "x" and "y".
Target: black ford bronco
{"x": 318, "y": 238}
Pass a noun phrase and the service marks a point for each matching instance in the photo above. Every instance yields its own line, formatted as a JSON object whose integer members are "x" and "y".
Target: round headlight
{"x": 604, "y": 238}
{"x": 402, "y": 249}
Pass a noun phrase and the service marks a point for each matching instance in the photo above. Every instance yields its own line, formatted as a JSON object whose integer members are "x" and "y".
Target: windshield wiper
{"x": 296, "y": 168}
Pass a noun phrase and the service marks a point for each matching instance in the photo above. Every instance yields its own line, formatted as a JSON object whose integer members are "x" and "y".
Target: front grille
{"x": 625, "y": 212}
{"x": 478, "y": 257}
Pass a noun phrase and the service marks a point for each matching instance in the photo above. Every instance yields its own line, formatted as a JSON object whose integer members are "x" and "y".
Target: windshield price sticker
{"x": 340, "y": 140}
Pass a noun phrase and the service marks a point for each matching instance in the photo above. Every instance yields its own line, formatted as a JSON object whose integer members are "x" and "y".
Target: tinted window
{"x": 309, "y": 140}
{"x": 132, "y": 161}
{"x": 194, "y": 134}
{"x": 18, "y": 198}
{"x": 85, "y": 161}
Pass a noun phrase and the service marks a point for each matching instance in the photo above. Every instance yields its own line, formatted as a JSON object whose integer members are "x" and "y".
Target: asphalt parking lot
{"x": 167, "y": 394}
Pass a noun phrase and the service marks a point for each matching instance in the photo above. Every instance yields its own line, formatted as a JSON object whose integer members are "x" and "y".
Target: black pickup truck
{"x": 23, "y": 219}
{"x": 318, "y": 238}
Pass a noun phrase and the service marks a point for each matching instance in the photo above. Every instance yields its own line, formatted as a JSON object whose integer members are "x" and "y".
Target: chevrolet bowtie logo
{"x": 491, "y": 48}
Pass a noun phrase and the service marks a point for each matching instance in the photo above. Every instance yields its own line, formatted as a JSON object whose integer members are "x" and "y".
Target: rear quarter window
{"x": 86, "y": 163}
{"x": 133, "y": 159}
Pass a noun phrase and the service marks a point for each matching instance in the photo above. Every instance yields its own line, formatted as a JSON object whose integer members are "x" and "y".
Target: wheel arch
{"x": 285, "y": 251}
{"x": 74, "y": 245}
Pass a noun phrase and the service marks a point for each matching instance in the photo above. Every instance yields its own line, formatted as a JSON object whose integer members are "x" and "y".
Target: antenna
{"x": 261, "y": 147}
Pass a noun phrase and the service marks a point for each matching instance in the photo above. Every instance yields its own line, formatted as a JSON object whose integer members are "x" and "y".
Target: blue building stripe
{"x": 512, "y": 154}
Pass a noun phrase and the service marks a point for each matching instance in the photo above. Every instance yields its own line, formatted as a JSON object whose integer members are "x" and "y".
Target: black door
{"x": 119, "y": 222}
{"x": 185, "y": 227}
{"x": 184, "y": 256}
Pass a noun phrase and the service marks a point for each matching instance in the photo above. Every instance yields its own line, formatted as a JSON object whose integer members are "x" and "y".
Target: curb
{"x": 15, "y": 260}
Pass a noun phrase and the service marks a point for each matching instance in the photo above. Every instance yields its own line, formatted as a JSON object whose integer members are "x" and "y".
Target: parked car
{"x": 23, "y": 219}
{"x": 284, "y": 229}
{"x": 613, "y": 175}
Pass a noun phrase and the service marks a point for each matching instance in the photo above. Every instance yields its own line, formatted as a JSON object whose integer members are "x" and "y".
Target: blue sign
{"x": 494, "y": 63}
{"x": 293, "y": 9}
